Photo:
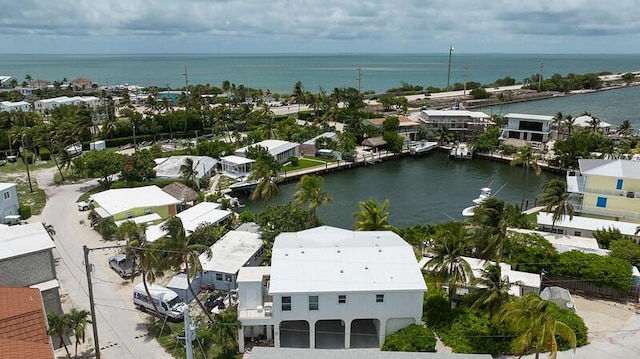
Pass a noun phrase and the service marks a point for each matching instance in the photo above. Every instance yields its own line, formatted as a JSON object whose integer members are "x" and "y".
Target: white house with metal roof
{"x": 280, "y": 150}
{"x": 204, "y": 212}
{"x": 581, "y": 226}
{"x": 15, "y": 106}
{"x": 534, "y": 129}
{"x": 8, "y": 203}
{"x": 51, "y": 103}
{"x": 148, "y": 204}
{"x": 609, "y": 188}
{"x": 467, "y": 125}
{"x": 26, "y": 260}
{"x": 331, "y": 288}
{"x": 236, "y": 166}
{"x": 169, "y": 168}
{"x": 236, "y": 249}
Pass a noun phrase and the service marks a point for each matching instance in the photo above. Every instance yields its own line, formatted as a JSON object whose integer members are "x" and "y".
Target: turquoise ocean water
{"x": 278, "y": 73}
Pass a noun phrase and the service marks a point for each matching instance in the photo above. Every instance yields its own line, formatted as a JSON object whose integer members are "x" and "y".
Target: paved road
{"x": 121, "y": 329}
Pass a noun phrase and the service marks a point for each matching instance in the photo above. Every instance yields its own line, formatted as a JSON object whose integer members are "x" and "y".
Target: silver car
{"x": 122, "y": 265}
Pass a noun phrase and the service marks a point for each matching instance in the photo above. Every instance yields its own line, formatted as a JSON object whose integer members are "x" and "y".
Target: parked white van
{"x": 168, "y": 302}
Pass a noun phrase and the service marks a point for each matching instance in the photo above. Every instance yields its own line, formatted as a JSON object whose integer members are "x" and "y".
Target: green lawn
{"x": 20, "y": 167}
{"x": 302, "y": 163}
{"x": 37, "y": 200}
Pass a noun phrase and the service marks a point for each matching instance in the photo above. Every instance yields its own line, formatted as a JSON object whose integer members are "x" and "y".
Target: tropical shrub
{"x": 601, "y": 271}
{"x": 575, "y": 323}
{"x": 626, "y": 249}
{"x": 530, "y": 253}
{"x": 414, "y": 338}
{"x": 24, "y": 211}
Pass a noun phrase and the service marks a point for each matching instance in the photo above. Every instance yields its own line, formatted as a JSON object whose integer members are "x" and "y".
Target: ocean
{"x": 278, "y": 73}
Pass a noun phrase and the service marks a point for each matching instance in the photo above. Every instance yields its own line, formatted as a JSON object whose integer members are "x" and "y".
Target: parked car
{"x": 167, "y": 301}
{"x": 122, "y": 265}
{"x": 85, "y": 205}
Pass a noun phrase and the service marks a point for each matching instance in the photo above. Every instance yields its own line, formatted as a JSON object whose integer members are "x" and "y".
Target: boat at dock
{"x": 422, "y": 147}
{"x": 244, "y": 186}
{"x": 461, "y": 151}
{"x": 485, "y": 193}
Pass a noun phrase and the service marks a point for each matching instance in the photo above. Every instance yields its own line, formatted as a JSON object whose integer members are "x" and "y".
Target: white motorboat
{"x": 461, "y": 151}
{"x": 244, "y": 185}
{"x": 485, "y": 193}
{"x": 422, "y": 147}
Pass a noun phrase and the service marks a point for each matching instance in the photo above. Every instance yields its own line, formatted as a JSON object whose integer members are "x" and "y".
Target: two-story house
{"x": 8, "y": 203}
{"x": 609, "y": 189}
{"x": 534, "y": 129}
{"x": 331, "y": 288}
{"x": 466, "y": 125}
{"x": 147, "y": 204}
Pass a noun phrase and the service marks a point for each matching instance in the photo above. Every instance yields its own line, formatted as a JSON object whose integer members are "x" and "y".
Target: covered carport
{"x": 365, "y": 333}
{"x": 330, "y": 334}
{"x": 294, "y": 334}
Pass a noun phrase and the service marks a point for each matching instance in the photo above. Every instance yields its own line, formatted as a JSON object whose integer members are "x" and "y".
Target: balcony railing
{"x": 263, "y": 311}
{"x": 606, "y": 212}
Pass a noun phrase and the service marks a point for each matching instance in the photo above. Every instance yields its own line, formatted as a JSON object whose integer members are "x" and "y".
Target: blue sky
{"x": 314, "y": 26}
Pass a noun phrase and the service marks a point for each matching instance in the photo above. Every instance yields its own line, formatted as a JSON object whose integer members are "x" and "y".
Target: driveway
{"x": 121, "y": 329}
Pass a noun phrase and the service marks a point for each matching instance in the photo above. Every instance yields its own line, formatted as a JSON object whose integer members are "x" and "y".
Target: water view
{"x": 421, "y": 190}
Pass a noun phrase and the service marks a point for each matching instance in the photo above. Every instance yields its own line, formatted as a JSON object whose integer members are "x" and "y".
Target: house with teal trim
{"x": 149, "y": 204}
{"x": 608, "y": 189}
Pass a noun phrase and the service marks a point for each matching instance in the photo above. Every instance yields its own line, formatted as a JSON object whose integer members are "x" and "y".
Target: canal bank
{"x": 423, "y": 189}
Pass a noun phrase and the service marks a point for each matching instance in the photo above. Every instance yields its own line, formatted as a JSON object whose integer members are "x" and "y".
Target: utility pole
{"x": 188, "y": 334}
{"x": 92, "y": 305}
{"x": 186, "y": 95}
{"x": 25, "y": 158}
{"x": 540, "y": 77}
{"x": 449, "y": 71}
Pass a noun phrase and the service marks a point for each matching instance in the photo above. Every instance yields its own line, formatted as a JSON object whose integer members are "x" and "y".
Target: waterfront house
{"x": 23, "y": 106}
{"x": 466, "y": 125}
{"x": 280, "y": 150}
{"x": 606, "y": 188}
{"x": 236, "y": 166}
{"x": 82, "y": 84}
{"x": 23, "y": 324}
{"x": 331, "y": 288}
{"x": 581, "y": 226}
{"x": 8, "y": 203}
{"x": 309, "y": 148}
{"x": 534, "y": 129}
{"x": 169, "y": 167}
{"x": 587, "y": 121}
{"x": 147, "y": 204}
{"x": 51, "y": 103}
{"x": 236, "y": 249}
{"x": 204, "y": 212}
{"x": 26, "y": 260}
{"x": 407, "y": 128}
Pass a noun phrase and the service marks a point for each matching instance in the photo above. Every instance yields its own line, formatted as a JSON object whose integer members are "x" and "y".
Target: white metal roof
{"x": 525, "y": 116}
{"x": 23, "y": 239}
{"x": 329, "y": 259}
{"x": 231, "y": 252}
{"x": 564, "y": 243}
{"x": 236, "y": 159}
{"x": 6, "y": 185}
{"x": 312, "y": 141}
{"x": 170, "y": 168}
{"x": 612, "y": 168}
{"x": 191, "y": 218}
{"x": 456, "y": 113}
{"x": 275, "y": 147}
{"x": 118, "y": 200}
{"x": 586, "y": 223}
{"x": 585, "y": 121}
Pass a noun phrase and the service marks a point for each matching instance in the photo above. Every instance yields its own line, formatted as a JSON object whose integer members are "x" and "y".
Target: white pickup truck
{"x": 85, "y": 205}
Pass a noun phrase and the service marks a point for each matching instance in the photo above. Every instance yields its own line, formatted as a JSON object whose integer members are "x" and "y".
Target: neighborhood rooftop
{"x": 343, "y": 260}
{"x": 19, "y": 240}
{"x": 121, "y": 199}
{"x": 587, "y": 223}
{"x": 617, "y": 168}
{"x": 231, "y": 252}
{"x": 205, "y": 212}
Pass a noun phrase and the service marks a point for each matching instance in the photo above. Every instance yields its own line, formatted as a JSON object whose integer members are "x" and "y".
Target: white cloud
{"x": 326, "y": 24}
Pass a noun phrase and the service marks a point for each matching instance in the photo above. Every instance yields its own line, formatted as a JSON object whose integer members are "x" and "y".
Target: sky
{"x": 314, "y": 26}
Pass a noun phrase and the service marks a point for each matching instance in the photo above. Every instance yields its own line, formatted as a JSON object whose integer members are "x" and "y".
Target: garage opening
{"x": 294, "y": 334}
{"x": 365, "y": 333}
{"x": 330, "y": 334}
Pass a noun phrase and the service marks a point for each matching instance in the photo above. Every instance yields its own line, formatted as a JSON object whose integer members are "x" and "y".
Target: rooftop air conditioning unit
{"x": 631, "y": 194}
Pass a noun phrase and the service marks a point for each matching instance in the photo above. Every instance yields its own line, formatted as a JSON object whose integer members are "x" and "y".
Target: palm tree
{"x": 134, "y": 233}
{"x": 625, "y": 129}
{"x": 309, "y": 190}
{"x": 265, "y": 170}
{"x": 59, "y": 325}
{"x": 149, "y": 264}
{"x": 556, "y": 200}
{"x": 189, "y": 172}
{"x": 372, "y": 217}
{"x": 78, "y": 320}
{"x": 180, "y": 251}
{"x": 225, "y": 329}
{"x": 489, "y": 226}
{"x": 107, "y": 227}
{"x": 494, "y": 290}
{"x": 528, "y": 159}
{"x": 448, "y": 246}
{"x": 532, "y": 317}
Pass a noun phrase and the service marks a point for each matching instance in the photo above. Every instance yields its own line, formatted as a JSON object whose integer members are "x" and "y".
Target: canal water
{"x": 427, "y": 189}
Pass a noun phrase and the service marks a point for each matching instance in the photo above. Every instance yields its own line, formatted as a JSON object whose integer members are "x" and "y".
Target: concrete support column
{"x": 269, "y": 332}
{"x": 276, "y": 335}
{"x": 241, "y": 340}
{"x": 347, "y": 334}
{"x": 312, "y": 335}
{"x": 383, "y": 331}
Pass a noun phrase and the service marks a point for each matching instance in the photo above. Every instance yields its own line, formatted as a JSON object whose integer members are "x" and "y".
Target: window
{"x": 342, "y": 299}
{"x": 148, "y": 211}
{"x": 313, "y": 302}
{"x": 218, "y": 276}
{"x": 379, "y": 298}
{"x": 577, "y": 234}
{"x": 129, "y": 214}
{"x": 601, "y": 202}
{"x": 227, "y": 277}
{"x": 286, "y": 304}
{"x": 6, "y": 195}
{"x": 619, "y": 184}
